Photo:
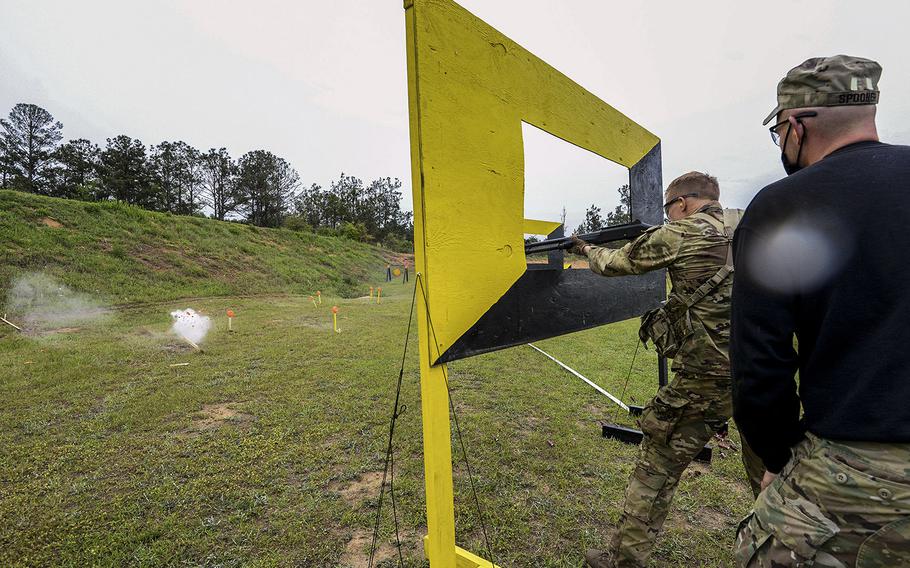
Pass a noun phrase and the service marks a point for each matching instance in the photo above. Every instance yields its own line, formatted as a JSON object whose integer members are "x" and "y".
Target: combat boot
{"x": 598, "y": 559}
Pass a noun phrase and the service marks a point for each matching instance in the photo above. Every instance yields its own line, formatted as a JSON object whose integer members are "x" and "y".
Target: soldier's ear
{"x": 799, "y": 130}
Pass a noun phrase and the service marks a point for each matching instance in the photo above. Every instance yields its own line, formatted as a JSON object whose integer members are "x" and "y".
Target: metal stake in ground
{"x": 580, "y": 376}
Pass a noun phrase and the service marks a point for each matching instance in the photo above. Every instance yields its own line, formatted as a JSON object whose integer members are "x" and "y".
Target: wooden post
{"x": 437, "y": 458}
{"x": 9, "y": 323}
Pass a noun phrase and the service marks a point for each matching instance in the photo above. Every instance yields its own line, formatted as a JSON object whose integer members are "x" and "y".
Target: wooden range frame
{"x": 469, "y": 90}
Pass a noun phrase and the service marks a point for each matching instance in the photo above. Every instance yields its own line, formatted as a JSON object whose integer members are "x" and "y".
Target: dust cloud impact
{"x": 191, "y": 325}
{"x": 40, "y": 302}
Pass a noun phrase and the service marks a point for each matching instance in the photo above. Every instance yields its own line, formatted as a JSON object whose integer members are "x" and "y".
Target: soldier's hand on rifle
{"x": 578, "y": 246}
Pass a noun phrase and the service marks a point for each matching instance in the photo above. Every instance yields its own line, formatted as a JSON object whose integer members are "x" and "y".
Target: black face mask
{"x": 790, "y": 167}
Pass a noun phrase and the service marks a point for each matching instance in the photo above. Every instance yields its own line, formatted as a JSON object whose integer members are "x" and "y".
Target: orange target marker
{"x": 371, "y": 292}
{"x": 230, "y": 315}
{"x": 319, "y": 296}
{"x": 379, "y": 295}
{"x": 335, "y": 319}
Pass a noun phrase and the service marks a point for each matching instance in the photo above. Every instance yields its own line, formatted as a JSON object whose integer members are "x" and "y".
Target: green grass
{"x": 107, "y": 458}
{"x": 125, "y": 254}
{"x": 264, "y": 449}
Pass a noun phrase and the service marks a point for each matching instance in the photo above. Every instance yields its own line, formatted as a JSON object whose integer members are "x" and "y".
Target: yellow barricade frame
{"x": 469, "y": 89}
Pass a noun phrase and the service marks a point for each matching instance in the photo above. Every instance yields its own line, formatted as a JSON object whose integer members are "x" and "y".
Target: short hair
{"x": 835, "y": 121}
{"x": 703, "y": 185}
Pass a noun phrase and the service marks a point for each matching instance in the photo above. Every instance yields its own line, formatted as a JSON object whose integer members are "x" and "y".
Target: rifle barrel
{"x": 606, "y": 235}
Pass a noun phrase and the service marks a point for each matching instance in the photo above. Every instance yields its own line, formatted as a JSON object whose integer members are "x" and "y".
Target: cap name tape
{"x": 855, "y": 98}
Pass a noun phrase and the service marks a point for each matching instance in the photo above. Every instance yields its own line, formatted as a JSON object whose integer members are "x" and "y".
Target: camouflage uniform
{"x": 686, "y": 413}
{"x": 834, "y": 505}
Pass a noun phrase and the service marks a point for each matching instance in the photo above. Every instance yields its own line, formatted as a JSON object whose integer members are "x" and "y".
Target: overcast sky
{"x": 323, "y": 84}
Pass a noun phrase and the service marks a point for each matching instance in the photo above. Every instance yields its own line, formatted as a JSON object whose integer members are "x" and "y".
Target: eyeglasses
{"x": 674, "y": 200}
{"x": 775, "y": 135}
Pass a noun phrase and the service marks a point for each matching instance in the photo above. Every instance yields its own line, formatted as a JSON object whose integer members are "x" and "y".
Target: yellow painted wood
{"x": 535, "y": 227}
{"x": 464, "y": 559}
{"x": 472, "y": 88}
{"x": 437, "y": 461}
{"x": 469, "y": 90}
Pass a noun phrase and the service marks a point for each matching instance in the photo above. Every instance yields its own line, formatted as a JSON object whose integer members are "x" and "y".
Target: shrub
{"x": 355, "y": 232}
{"x": 296, "y": 223}
{"x": 398, "y": 243}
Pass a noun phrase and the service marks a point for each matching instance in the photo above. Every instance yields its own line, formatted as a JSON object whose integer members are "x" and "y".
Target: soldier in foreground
{"x": 821, "y": 256}
{"x": 692, "y": 329}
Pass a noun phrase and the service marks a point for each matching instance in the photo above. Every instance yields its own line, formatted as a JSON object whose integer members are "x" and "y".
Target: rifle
{"x": 614, "y": 233}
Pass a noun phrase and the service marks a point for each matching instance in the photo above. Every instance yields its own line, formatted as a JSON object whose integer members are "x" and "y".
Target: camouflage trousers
{"x": 676, "y": 424}
{"x": 834, "y": 505}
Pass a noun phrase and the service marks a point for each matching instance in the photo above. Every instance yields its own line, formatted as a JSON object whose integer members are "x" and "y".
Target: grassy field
{"x": 122, "y": 446}
{"x": 125, "y": 254}
{"x": 266, "y": 448}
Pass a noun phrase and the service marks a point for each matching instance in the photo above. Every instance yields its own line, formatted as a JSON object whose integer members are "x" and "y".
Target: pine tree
{"x": 30, "y": 135}
{"x": 219, "y": 173}
{"x": 124, "y": 172}
{"x": 310, "y": 205}
{"x": 176, "y": 173}
{"x": 623, "y": 212}
{"x": 593, "y": 221}
{"x": 265, "y": 186}
{"x": 78, "y": 162}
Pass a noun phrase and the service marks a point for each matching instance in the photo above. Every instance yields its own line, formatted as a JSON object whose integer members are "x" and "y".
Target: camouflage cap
{"x": 828, "y": 81}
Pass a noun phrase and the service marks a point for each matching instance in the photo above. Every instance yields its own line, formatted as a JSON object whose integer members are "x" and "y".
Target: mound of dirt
{"x": 364, "y": 487}
{"x": 357, "y": 551}
{"x": 214, "y": 416}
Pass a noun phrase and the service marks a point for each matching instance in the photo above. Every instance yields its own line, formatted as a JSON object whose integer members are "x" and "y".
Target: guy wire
{"x": 389, "y": 467}
{"x": 628, "y": 376}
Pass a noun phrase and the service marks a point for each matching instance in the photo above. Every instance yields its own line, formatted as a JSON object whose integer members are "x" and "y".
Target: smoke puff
{"x": 40, "y": 301}
{"x": 191, "y": 325}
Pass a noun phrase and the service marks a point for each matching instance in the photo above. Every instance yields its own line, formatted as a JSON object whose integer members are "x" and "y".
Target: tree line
{"x": 621, "y": 214}
{"x": 259, "y": 188}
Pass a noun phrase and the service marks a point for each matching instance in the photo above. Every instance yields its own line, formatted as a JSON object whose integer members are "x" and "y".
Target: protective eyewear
{"x": 775, "y": 135}
{"x": 674, "y": 200}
